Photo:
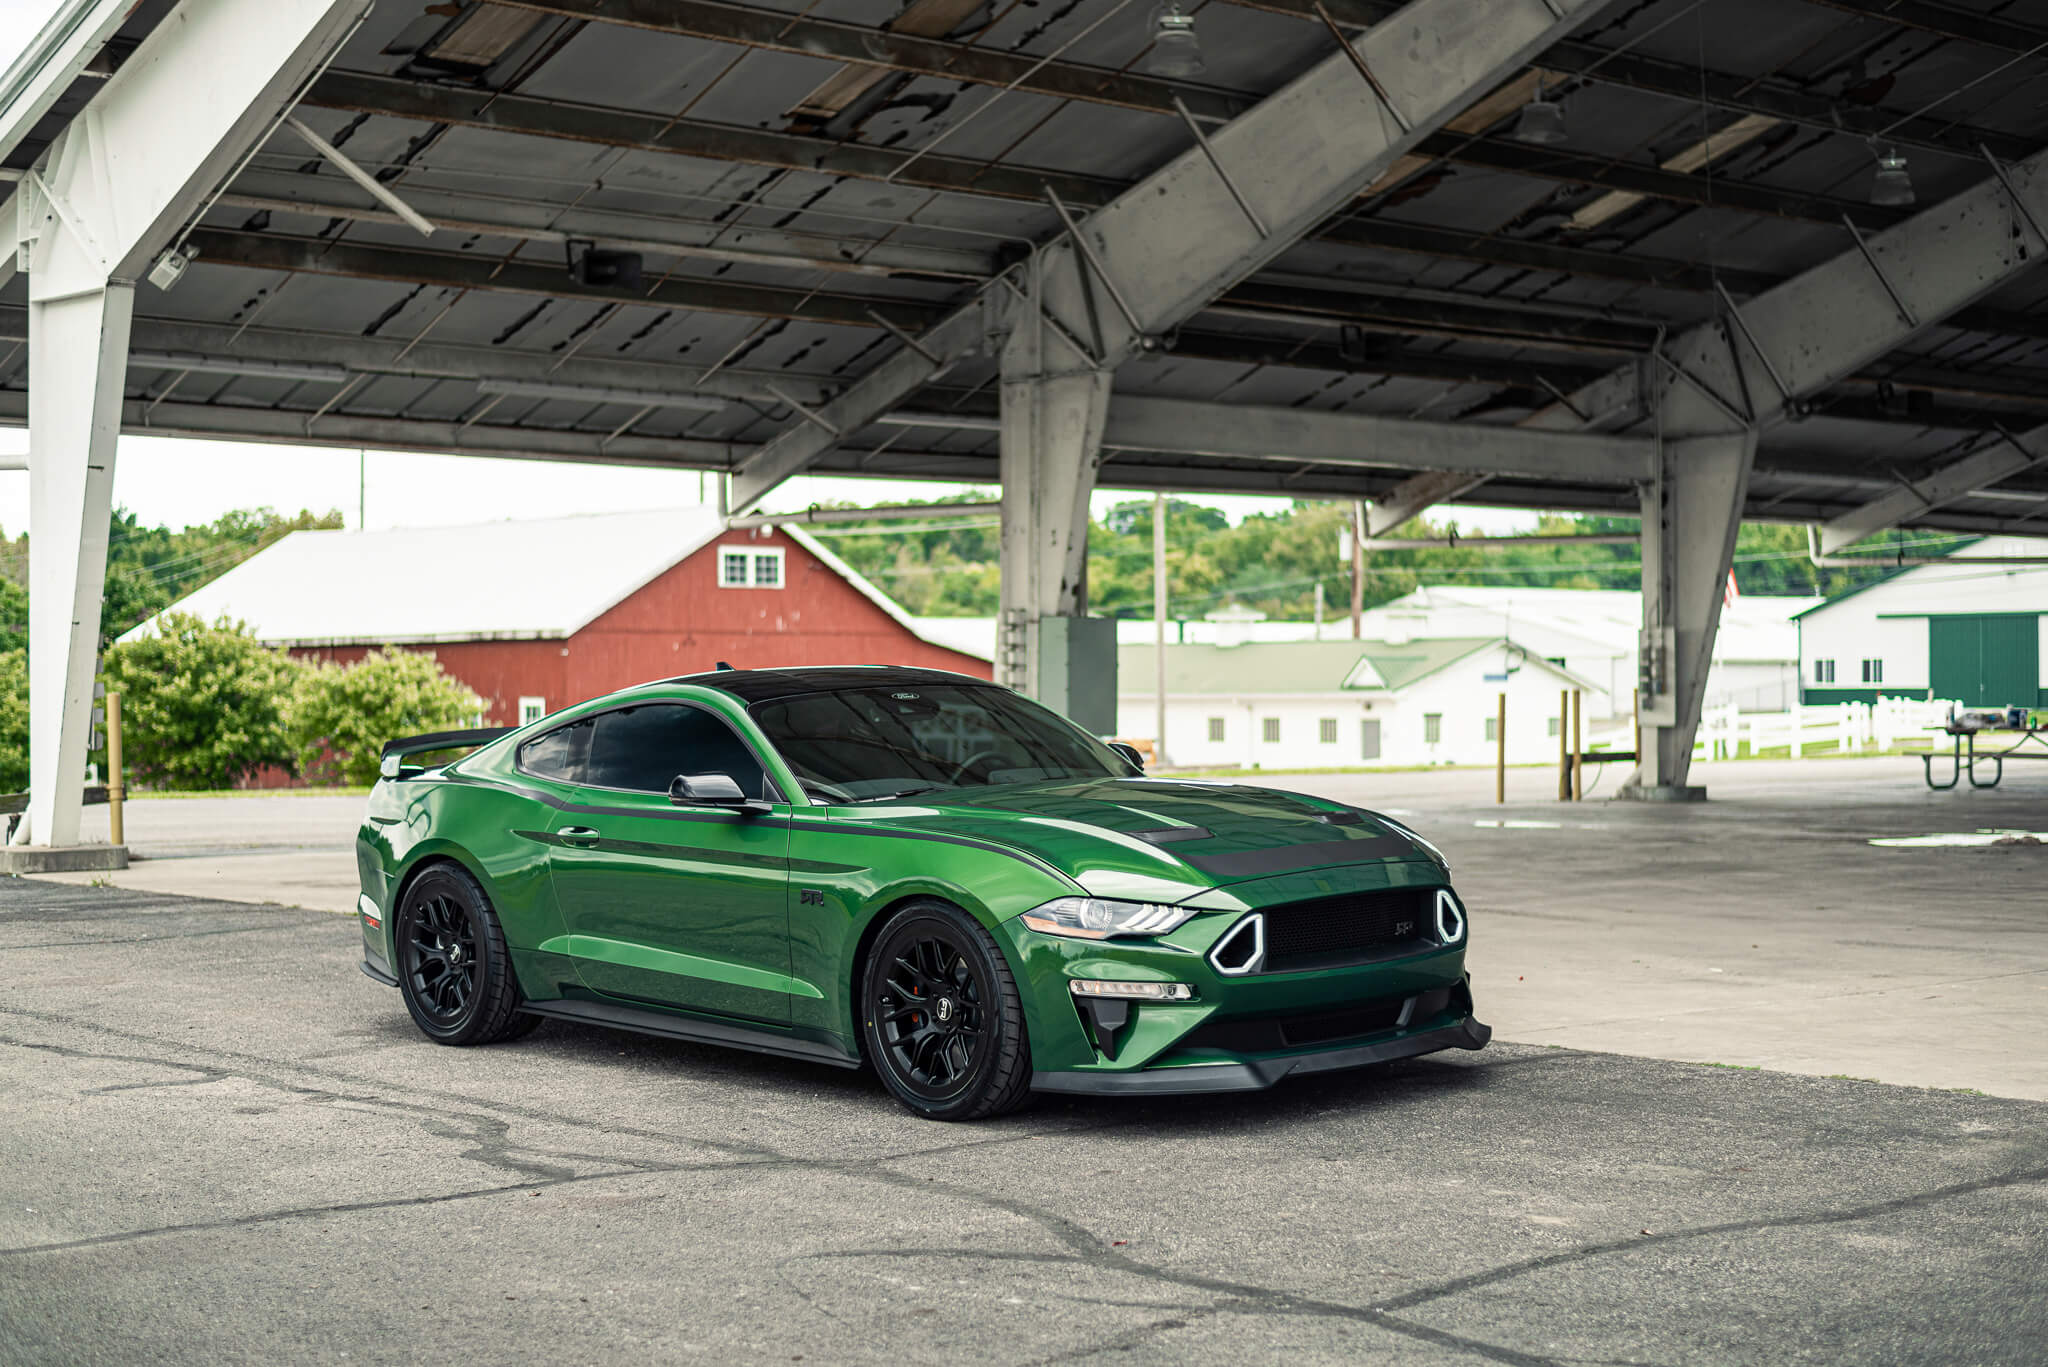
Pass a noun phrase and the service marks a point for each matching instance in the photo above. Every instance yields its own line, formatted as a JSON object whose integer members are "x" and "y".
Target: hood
{"x": 1159, "y": 839}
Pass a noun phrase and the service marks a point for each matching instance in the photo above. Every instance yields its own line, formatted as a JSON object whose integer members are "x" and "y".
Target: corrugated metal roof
{"x": 1458, "y": 289}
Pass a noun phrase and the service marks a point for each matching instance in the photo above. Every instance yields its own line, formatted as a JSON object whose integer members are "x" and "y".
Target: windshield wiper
{"x": 904, "y": 792}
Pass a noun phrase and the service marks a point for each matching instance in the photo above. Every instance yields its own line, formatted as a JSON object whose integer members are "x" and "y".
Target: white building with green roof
{"x": 1329, "y": 704}
{"x": 1966, "y": 630}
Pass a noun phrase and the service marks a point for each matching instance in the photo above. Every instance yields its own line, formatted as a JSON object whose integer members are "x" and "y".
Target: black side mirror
{"x": 1133, "y": 756}
{"x": 712, "y": 790}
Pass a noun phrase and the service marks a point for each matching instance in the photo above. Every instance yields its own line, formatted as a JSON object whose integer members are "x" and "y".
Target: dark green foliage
{"x": 202, "y": 705}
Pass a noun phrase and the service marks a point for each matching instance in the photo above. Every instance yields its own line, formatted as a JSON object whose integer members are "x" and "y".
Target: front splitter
{"x": 1254, "y": 1074}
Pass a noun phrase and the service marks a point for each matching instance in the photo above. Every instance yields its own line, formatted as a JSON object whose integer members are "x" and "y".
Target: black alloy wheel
{"x": 453, "y": 968}
{"x": 944, "y": 1025}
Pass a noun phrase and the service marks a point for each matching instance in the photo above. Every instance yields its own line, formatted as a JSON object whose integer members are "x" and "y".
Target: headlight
{"x": 1092, "y": 918}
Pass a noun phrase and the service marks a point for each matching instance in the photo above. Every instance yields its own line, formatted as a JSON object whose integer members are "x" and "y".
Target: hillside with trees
{"x": 945, "y": 565}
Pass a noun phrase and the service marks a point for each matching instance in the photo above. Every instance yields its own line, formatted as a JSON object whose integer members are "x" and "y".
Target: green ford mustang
{"x": 916, "y": 870}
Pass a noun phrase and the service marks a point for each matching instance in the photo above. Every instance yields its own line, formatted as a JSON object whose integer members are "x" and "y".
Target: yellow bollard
{"x": 1500, "y": 751}
{"x": 1578, "y": 753}
{"x": 116, "y": 789}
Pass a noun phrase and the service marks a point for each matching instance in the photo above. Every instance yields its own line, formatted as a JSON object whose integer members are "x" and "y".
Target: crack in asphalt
{"x": 490, "y": 1139}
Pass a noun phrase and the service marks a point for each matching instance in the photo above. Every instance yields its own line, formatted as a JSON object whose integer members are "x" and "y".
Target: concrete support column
{"x": 78, "y": 359}
{"x": 1054, "y": 406}
{"x": 1692, "y": 511}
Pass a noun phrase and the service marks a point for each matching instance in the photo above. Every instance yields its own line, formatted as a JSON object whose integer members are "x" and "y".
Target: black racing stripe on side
{"x": 856, "y": 828}
{"x": 840, "y": 827}
{"x": 1287, "y": 858}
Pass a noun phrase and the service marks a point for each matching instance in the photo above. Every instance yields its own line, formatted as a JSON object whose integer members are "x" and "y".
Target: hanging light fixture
{"x": 1176, "y": 48}
{"x": 1892, "y": 186}
{"x": 1541, "y": 121}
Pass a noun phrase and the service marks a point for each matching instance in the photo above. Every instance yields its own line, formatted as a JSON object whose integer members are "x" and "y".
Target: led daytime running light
{"x": 1143, "y": 992}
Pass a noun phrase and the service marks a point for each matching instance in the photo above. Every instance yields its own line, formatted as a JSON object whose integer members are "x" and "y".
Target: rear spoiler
{"x": 391, "y": 758}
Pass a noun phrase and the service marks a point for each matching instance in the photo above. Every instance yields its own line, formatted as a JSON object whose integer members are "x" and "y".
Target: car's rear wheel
{"x": 453, "y": 968}
{"x": 944, "y": 1026}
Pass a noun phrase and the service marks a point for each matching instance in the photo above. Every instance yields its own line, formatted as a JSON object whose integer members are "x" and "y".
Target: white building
{"x": 1969, "y": 633}
{"x": 1590, "y": 632}
{"x": 1594, "y": 632}
{"x": 1330, "y": 704}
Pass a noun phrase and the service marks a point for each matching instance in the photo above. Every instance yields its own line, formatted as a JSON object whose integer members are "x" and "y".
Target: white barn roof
{"x": 511, "y": 580}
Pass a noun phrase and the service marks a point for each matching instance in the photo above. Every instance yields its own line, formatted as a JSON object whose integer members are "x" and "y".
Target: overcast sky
{"x": 179, "y": 483}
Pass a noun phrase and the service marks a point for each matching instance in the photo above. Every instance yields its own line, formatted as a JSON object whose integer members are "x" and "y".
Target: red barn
{"x": 538, "y": 615}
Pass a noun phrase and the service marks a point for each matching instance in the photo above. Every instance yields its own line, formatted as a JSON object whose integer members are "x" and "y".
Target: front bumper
{"x": 1253, "y": 1074}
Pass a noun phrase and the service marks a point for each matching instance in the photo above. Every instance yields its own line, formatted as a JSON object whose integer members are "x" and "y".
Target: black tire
{"x": 943, "y": 1024}
{"x": 453, "y": 968}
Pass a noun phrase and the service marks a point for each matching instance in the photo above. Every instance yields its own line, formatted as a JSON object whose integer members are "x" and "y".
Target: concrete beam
{"x": 1414, "y": 496}
{"x": 2002, "y": 459}
{"x": 1188, "y": 426}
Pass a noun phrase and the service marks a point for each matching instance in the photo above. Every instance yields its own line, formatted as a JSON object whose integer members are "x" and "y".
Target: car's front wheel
{"x": 944, "y": 1025}
{"x": 453, "y": 968}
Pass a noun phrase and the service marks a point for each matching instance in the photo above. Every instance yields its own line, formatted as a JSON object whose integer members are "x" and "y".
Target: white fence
{"x": 1844, "y": 728}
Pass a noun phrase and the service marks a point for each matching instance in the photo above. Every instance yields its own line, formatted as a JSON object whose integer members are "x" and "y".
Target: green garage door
{"x": 1988, "y": 661}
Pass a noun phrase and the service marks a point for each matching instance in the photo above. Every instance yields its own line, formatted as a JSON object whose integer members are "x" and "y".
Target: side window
{"x": 559, "y": 754}
{"x": 644, "y": 748}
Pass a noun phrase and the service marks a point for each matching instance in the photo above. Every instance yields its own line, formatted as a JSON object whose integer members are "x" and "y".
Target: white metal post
{"x": 1159, "y": 630}
{"x": 80, "y": 345}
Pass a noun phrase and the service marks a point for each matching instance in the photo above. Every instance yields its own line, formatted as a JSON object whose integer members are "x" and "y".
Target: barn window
{"x": 1823, "y": 671}
{"x": 748, "y": 567}
{"x": 1215, "y": 729}
{"x": 532, "y": 710}
{"x": 1873, "y": 671}
{"x": 1327, "y": 730}
{"x": 1270, "y": 729}
{"x": 1432, "y": 727}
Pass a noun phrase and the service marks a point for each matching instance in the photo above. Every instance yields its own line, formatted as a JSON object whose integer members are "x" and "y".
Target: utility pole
{"x": 1357, "y": 570}
{"x": 1159, "y": 629}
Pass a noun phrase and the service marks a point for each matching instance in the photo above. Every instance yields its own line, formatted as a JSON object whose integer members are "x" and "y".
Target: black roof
{"x": 752, "y": 686}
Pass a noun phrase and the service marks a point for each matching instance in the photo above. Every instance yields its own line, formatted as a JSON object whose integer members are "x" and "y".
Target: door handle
{"x": 582, "y": 837}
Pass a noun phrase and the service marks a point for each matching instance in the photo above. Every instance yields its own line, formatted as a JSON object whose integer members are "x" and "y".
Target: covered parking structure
{"x": 1606, "y": 255}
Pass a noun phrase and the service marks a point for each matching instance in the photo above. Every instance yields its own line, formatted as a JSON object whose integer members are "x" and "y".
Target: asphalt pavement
{"x": 222, "y": 1144}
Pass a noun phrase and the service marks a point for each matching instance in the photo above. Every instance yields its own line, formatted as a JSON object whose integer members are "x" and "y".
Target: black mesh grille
{"x": 1347, "y": 928}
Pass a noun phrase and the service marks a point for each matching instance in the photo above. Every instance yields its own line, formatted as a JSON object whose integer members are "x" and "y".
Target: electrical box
{"x": 1077, "y": 670}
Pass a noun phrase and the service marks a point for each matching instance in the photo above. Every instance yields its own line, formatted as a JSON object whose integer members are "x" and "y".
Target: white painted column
{"x": 1691, "y": 514}
{"x": 78, "y": 348}
{"x": 1054, "y": 406}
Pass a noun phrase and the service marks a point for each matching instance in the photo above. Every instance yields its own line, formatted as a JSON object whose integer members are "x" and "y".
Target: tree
{"x": 13, "y": 721}
{"x": 342, "y": 714}
{"x": 201, "y": 705}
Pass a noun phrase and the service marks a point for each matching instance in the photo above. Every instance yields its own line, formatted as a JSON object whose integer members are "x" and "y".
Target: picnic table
{"x": 1964, "y": 758}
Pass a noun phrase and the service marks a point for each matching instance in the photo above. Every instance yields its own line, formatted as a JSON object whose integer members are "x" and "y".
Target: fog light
{"x": 1137, "y": 992}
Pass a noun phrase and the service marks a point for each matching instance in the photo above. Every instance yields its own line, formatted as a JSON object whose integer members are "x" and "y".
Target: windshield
{"x": 862, "y": 744}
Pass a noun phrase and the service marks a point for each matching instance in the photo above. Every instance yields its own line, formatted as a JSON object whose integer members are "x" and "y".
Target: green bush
{"x": 201, "y": 705}
{"x": 13, "y": 721}
{"x": 342, "y": 715}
